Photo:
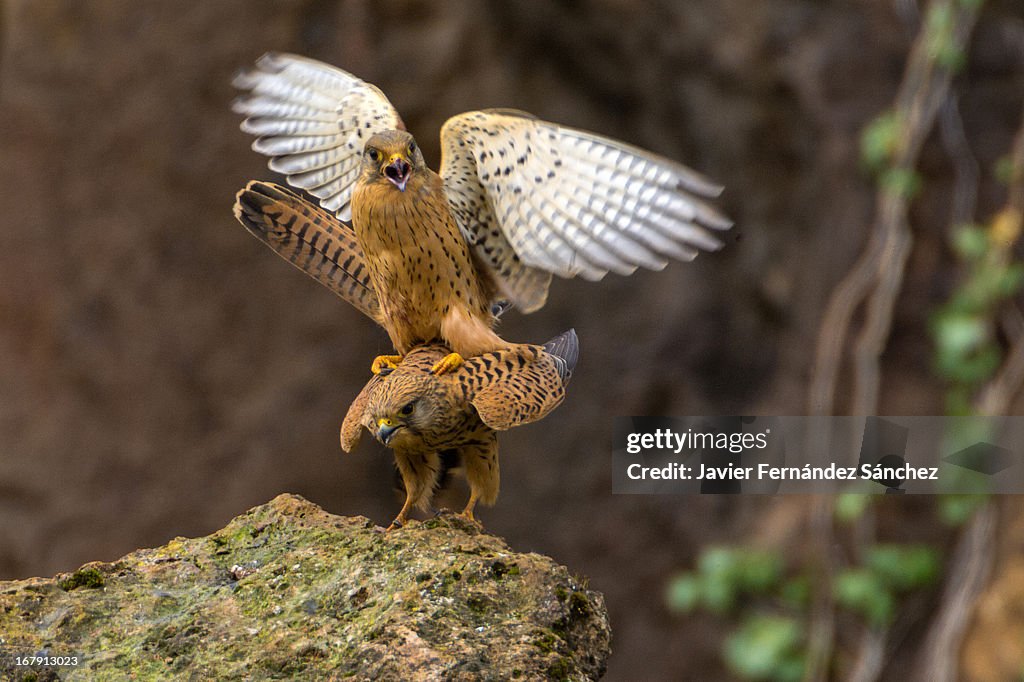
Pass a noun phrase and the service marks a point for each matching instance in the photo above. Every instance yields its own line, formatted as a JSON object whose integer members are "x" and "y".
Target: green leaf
{"x": 863, "y": 592}
{"x": 970, "y": 242}
{"x": 900, "y": 182}
{"x": 1011, "y": 280}
{"x": 851, "y": 506}
{"x": 1004, "y": 169}
{"x": 956, "y": 510}
{"x": 759, "y": 571}
{"x": 903, "y": 567}
{"x": 950, "y": 56}
{"x": 959, "y": 333}
{"x": 720, "y": 561}
{"x": 719, "y": 592}
{"x": 879, "y": 141}
{"x": 992, "y": 283}
{"x": 766, "y": 648}
{"x": 941, "y": 24}
{"x": 978, "y": 367}
{"x": 797, "y": 592}
{"x": 684, "y": 593}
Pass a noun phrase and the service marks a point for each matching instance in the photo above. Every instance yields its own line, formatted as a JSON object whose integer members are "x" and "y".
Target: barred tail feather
{"x": 565, "y": 348}
{"x": 309, "y": 238}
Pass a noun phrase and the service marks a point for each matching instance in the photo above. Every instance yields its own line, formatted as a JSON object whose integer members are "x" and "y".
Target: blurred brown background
{"x": 161, "y": 371}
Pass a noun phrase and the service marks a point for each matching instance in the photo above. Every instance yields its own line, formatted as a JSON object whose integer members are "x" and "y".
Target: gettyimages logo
{"x": 690, "y": 440}
{"x": 892, "y": 455}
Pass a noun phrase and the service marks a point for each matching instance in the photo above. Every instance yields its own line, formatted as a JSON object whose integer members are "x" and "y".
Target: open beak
{"x": 386, "y": 430}
{"x": 398, "y": 171}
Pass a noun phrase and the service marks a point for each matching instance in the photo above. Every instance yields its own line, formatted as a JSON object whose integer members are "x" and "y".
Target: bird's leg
{"x": 385, "y": 362}
{"x": 448, "y": 363}
{"x": 467, "y": 335}
{"x": 467, "y": 513}
{"x": 410, "y": 498}
{"x": 403, "y": 516}
{"x": 419, "y": 474}
{"x": 481, "y": 463}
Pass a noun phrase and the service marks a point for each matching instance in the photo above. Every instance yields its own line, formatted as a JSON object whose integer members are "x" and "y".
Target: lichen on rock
{"x": 289, "y": 591}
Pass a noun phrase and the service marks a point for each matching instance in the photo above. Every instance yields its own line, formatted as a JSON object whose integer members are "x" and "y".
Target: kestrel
{"x": 517, "y": 199}
{"x": 425, "y": 418}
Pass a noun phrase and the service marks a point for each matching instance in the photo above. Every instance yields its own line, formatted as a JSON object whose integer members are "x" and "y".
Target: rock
{"x": 289, "y": 591}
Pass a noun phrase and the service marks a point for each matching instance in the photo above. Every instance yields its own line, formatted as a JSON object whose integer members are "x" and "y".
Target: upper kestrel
{"x": 517, "y": 200}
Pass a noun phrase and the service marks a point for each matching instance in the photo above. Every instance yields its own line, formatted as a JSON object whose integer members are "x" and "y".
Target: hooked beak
{"x": 398, "y": 171}
{"x": 386, "y": 429}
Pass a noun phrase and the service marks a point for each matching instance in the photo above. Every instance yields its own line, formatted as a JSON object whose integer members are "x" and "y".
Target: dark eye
{"x": 407, "y": 410}
{"x": 373, "y": 154}
{"x": 412, "y": 148}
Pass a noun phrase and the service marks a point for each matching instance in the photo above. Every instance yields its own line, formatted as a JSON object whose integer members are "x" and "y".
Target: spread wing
{"x": 512, "y": 389}
{"x": 312, "y": 120}
{"x": 536, "y": 198}
{"x": 311, "y": 239}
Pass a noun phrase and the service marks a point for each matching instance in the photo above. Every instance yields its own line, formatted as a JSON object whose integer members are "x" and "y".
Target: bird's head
{"x": 403, "y": 413}
{"x": 392, "y": 156}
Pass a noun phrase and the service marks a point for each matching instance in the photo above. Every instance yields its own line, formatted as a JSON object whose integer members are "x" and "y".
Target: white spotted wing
{"x": 570, "y": 202}
{"x": 312, "y": 120}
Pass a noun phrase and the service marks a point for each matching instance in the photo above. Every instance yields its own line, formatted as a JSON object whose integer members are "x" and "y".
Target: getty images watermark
{"x": 892, "y": 455}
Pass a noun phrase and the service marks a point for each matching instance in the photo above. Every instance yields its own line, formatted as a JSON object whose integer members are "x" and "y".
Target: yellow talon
{"x": 448, "y": 363}
{"x": 388, "y": 362}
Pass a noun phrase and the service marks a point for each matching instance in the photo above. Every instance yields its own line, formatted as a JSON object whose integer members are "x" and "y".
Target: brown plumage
{"x": 426, "y": 280}
{"x": 517, "y": 200}
{"x": 424, "y": 417}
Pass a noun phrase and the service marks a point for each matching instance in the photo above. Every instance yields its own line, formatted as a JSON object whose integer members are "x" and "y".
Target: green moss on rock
{"x": 289, "y": 591}
{"x": 87, "y": 576}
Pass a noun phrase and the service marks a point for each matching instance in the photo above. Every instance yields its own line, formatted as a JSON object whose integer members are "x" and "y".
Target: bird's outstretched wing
{"x": 311, "y": 239}
{"x": 312, "y": 120}
{"x": 510, "y": 388}
{"x": 536, "y": 198}
{"x": 533, "y": 198}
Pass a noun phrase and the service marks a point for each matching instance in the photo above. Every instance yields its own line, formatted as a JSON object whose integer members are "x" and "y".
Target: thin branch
{"x": 1011, "y": 322}
{"x": 968, "y": 575}
{"x": 872, "y": 652}
{"x": 973, "y": 558}
{"x": 822, "y": 632}
{"x": 876, "y": 279}
{"x": 965, "y": 166}
{"x": 999, "y": 393}
{"x": 879, "y": 270}
{"x": 924, "y": 89}
{"x": 870, "y": 657}
{"x": 996, "y": 397}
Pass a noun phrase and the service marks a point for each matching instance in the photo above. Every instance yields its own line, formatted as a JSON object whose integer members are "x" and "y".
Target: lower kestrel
{"x": 517, "y": 200}
{"x": 428, "y": 419}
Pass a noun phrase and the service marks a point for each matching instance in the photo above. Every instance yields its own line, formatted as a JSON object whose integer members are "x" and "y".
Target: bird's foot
{"x": 400, "y": 521}
{"x": 385, "y": 364}
{"x": 467, "y": 515}
{"x": 448, "y": 363}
